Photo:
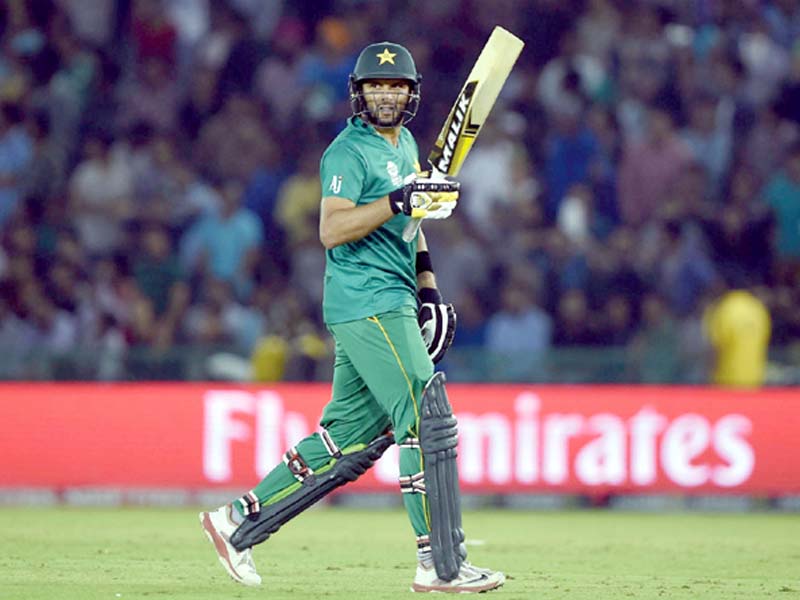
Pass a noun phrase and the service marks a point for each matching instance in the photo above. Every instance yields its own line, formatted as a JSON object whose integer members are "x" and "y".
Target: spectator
{"x": 579, "y": 220}
{"x": 216, "y": 318}
{"x": 153, "y": 97}
{"x": 101, "y": 190}
{"x": 15, "y": 337}
{"x": 114, "y": 296}
{"x": 246, "y": 53}
{"x": 739, "y": 234}
{"x": 574, "y": 323}
{"x": 16, "y": 151}
{"x": 738, "y": 325}
{"x": 686, "y": 271}
{"x": 276, "y": 80}
{"x": 603, "y": 169}
{"x": 570, "y": 78}
{"x": 225, "y": 245}
{"x": 783, "y": 304}
{"x": 156, "y": 269}
{"x": 709, "y": 136}
{"x": 322, "y": 70}
{"x": 766, "y": 143}
{"x": 262, "y": 171}
{"x": 598, "y": 29}
{"x": 787, "y": 104}
{"x": 297, "y": 204}
{"x": 565, "y": 264}
{"x": 56, "y": 330}
{"x": 489, "y": 176}
{"x": 518, "y": 335}
{"x": 617, "y": 321}
{"x": 615, "y": 267}
{"x": 43, "y": 176}
{"x": 571, "y": 151}
{"x": 471, "y": 320}
{"x": 153, "y": 35}
{"x": 654, "y": 353}
{"x": 464, "y": 261}
{"x": 649, "y": 167}
{"x": 199, "y": 104}
{"x": 782, "y": 194}
{"x": 91, "y": 20}
{"x": 236, "y": 127}
{"x": 111, "y": 347}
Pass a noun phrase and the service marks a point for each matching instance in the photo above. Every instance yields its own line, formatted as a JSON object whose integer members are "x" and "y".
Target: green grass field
{"x": 331, "y": 554}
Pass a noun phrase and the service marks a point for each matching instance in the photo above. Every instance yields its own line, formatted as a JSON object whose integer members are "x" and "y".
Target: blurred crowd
{"x": 159, "y": 183}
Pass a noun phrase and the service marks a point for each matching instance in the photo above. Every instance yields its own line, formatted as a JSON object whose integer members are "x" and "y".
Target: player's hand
{"x": 437, "y": 323}
{"x": 426, "y": 197}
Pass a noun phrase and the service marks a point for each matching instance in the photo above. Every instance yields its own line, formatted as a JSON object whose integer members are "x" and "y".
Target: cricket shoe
{"x": 219, "y": 526}
{"x": 470, "y": 579}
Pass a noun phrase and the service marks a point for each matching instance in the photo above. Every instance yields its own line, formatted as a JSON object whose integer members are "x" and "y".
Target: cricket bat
{"x": 471, "y": 108}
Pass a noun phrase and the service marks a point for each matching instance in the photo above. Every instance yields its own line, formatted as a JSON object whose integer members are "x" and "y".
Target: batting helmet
{"x": 385, "y": 60}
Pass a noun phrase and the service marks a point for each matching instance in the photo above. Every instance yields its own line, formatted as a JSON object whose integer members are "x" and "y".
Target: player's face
{"x": 386, "y": 99}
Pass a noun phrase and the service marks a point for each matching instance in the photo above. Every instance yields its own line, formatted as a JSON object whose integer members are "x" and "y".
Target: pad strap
{"x": 250, "y": 503}
{"x": 297, "y": 465}
{"x": 413, "y": 484}
{"x": 409, "y": 442}
{"x": 329, "y": 444}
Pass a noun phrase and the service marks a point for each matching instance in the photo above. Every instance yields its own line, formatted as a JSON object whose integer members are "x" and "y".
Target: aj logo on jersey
{"x": 336, "y": 184}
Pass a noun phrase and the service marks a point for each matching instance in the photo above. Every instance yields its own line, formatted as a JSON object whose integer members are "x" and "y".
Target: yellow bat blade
{"x": 472, "y": 107}
{"x": 475, "y": 101}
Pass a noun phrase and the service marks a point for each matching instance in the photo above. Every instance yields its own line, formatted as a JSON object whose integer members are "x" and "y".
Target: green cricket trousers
{"x": 380, "y": 370}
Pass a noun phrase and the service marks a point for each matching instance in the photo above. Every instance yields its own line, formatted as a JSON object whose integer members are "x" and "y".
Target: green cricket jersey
{"x": 377, "y": 273}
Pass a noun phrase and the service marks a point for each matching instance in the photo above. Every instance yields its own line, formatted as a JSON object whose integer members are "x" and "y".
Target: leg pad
{"x": 258, "y": 526}
{"x": 438, "y": 438}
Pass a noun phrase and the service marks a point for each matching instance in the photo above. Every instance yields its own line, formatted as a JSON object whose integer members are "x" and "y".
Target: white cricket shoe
{"x": 470, "y": 580}
{"x": 219, "y": 526}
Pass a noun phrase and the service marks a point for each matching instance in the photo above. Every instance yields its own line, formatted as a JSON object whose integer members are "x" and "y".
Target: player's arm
{"x": 437, "y": 320}
{"x": 342, "y": 221}
{"x": 342, "y": 218}
{"x": 425, "y": 277}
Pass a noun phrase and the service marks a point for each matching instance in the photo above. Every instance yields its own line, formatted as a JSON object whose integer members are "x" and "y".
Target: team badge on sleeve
{"x": 336, "y": 184}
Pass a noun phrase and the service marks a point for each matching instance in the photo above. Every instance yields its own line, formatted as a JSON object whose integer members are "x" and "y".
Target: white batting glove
{"x": 425, "y": 197}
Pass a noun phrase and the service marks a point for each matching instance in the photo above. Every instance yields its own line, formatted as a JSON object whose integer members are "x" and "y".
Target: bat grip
{"x": 410, "y": 230}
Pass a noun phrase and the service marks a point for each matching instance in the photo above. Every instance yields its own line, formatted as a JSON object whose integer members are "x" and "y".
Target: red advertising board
{"x": 584, "y": 439}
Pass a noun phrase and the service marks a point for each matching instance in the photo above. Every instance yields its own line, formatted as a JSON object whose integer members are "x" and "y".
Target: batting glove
{"x": 425, "y": 197}
{"x": 437, "y": 323}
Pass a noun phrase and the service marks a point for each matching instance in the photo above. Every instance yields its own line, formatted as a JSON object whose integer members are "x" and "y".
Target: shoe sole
{"x": 221, "y": 547}
{"x": 449, "y": 589}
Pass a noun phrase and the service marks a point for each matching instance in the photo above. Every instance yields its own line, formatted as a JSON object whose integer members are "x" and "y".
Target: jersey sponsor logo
{"x": 336, "y": 184}
{"x": 394, "y": 173}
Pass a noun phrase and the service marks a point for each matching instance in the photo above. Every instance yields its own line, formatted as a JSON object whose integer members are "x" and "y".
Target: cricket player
{"x": 390, "y": 326}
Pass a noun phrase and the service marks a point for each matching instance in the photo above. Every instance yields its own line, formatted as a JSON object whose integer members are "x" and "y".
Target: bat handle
{"x": 410, "y": 230}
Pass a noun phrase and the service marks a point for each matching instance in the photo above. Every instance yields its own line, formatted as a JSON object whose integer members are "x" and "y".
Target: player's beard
{"x": 387, "y": 114}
